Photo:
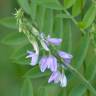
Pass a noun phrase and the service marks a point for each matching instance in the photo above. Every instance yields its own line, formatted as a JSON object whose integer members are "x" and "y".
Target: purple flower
{"x": 33, "y": 56}
{"x": 55, "y": 41}
{"x": 49, "y": 62}
{"x": 66, "y": 56}
{"x": 58, "y": 77}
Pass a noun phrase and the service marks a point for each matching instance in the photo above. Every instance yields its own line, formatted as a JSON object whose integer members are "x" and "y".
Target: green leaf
{"x": 50, "y": 4}
{"x": 77, "y": 8}
{"x": 36, "y": 73}
{"x": 44, "y": 1}
{"x": 56, "y": 6}
{"x": 89, "y": 16}
{"x": 14, "y": 39}
{"x": 41, "y": 17}
{"x": 9, "y": 22}
{"x": 27, "y": 89}
{"x": 25, "y": 5}
{"x": 20, "y": 53}
{"x": 48, "y": 21}
{"x": 78, "y": 90}
{"x": 33, "y": 10}
{"x": 82, "y": 51}
{"x": 68, "y": 3}
{"x": 53, "y": 89}
{"x": 42, "y": 91}
{"x": 90, "y": 71}
{"x": 63, "y": 16}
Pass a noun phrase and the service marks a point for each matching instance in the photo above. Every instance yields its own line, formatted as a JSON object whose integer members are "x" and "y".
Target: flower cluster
{"x": 50, "y": 61}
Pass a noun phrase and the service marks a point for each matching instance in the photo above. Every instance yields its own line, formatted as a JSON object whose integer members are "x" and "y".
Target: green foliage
{"x": 88, "y": 19}
{"x": 71, "y": 20}
{"x": 27, "y": 89}
{"x": 68, "y": 3}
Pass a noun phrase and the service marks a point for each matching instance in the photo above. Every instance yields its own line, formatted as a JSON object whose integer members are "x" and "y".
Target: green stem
{"x": 73, "y": 19}
{"x": 92, "y": 89}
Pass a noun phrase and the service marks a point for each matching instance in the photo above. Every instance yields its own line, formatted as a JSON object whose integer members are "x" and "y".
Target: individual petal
{"x": 43, "y": 64}
{"x": 54, "y": 76}
{"x": 53, "y": 66}
{"x": 52, "y": 63}
{"x": 30, "y": 54}
{"x": 67, "y": 61}
{"x": 55, "y": 41}
{"x": 34, "y": 59}
{"x": 33, "y": 56}
{"x": 66, "y": 56}
{"x": 63, "y": 80}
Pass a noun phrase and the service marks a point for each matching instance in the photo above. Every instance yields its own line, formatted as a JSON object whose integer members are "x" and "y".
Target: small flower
{"x": 63, "y": 80}
{"x": 66, "y": 56}
{"x": 49, "y": 62}
{"x": 33, "y": 56}
{"x": 58, "y": 77}
{"x": 55, "y": 41}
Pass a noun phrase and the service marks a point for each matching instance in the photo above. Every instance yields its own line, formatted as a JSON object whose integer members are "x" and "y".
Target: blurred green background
{"x": 49, "y": 18}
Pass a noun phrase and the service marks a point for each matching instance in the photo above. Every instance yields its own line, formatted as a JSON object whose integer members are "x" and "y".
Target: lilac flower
{"x": 58, "y": 77}
{"x": 33, "y": 56}
{"x": 66, "y": 56}
{"x": 49, "y": 62}
{"x": 55, "y": 41}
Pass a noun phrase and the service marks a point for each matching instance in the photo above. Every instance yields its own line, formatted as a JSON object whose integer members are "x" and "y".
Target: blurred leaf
{"x": 45, "y": 1}
{"x": 25, "y": 5}
{"x": 42, "y": 92}
{"x": 53, "y": 89}
{"x": 9, "y": 22}
{"x": 56, "y": 6}
{"x": 20, "y": 53}
{"x": 78, "y": 90}
{"x": 89, "y": 16}
{"x": 90, "y": 71}
{"x": 82, "y": 52}
{"x": 36, "y": 73}
{"x": 14, "y": 39}
{"x": 27, "y": 89}
{"x": 41, "y": 17}
{"x": 48, "y": 21}
{"x": 52, "y": 4}
{"x": 63, "y": 16}
{"x": 33, "y": 10}
{"x": 77, "y": 8}
{"x": 68, "y": 3}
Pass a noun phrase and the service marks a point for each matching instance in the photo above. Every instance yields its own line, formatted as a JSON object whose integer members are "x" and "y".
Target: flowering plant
{"x": 49, "y": 45}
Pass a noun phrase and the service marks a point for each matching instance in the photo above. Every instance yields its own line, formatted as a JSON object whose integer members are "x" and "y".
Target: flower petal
{"x": 54, "y": 76}
{"x": 52, "y": 63}
{"x": 53, "y": 66}
{"x": 30, "y": 54}
{"x": 66, "y": 56}
{"x": 34, "y": 59}
{"x": 33, "y": 56}
{"x": 55, "y": 41}
{"x": 63, "y": 80}
{"x": 43, "y": 64}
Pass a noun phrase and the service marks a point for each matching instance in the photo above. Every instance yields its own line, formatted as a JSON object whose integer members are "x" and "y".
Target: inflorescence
{"x": 55, "y": 60}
